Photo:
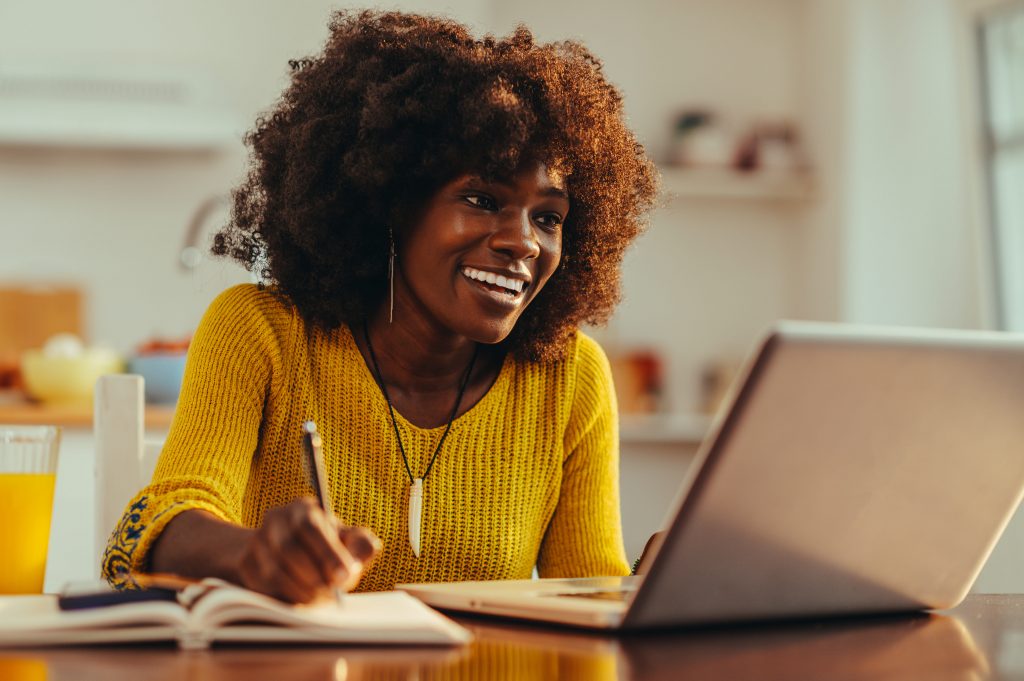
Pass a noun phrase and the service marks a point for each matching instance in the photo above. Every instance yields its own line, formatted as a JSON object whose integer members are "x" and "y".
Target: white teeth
{"x": 514, "y": 285}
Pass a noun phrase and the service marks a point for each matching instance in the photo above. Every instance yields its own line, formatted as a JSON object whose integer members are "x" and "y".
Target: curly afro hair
{"x": 397, "y": 106}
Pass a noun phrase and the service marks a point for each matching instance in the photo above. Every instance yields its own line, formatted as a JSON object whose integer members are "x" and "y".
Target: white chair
{"x": 125, "y": 460}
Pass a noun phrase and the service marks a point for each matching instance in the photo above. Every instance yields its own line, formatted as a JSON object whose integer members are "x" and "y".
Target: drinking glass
{"x": 28, "y": 471}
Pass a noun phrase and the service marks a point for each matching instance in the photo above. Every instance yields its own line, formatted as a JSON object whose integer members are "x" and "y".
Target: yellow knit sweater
{"x": 529, "y": 475}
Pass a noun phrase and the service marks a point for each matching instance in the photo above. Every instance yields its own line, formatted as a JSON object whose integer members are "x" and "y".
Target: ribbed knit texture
{"x": 529, "y": 475}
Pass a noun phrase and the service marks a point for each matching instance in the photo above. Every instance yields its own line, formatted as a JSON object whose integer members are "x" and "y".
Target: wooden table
{"x": 981, "y": 639}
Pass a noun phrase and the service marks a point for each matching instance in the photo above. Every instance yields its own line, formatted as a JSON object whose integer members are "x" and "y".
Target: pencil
{"x": 315, "y": 458}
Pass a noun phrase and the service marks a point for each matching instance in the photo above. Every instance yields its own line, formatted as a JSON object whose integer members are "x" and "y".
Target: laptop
{"x": 853, "y": 470}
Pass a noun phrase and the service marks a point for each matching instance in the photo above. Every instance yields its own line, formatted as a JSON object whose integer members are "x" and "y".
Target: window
{"x": 1002, "y": 62}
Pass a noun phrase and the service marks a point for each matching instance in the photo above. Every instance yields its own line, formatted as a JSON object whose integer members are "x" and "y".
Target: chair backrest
{"x": 125, "y": 460}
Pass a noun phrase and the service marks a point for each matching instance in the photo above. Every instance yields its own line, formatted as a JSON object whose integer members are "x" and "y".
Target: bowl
{"x": 161, "y": 374}
{"x": 67, "y": 379}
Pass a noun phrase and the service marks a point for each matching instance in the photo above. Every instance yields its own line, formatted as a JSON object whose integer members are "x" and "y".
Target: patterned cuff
{"x": 119, "y": 558}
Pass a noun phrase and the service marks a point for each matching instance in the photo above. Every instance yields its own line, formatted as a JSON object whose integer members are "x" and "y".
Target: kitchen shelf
{"x": 682, "y": 428}
{"x": 725, "y": 183}
{"x": 17, "y": 409}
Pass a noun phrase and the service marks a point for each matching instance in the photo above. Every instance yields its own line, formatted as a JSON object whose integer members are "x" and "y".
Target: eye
{"x": 550, "y": 221}
{"x": 482, "y": 201}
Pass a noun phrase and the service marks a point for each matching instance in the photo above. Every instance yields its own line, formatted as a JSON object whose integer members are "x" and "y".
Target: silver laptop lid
{"x": 855, "y": 470}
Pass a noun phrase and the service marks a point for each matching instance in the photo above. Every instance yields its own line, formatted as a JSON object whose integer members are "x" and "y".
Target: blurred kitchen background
{"x": 852, "y": 160}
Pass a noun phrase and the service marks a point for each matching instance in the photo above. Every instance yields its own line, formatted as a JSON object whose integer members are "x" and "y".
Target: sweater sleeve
{"x": 205, "y": 462}
{"x": 584, "y": 537}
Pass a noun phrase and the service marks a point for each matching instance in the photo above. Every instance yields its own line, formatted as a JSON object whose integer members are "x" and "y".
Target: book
{"x": 214, "y": 612}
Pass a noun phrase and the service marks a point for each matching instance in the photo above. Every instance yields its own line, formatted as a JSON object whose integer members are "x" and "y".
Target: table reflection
{"x": 933, "y": 647}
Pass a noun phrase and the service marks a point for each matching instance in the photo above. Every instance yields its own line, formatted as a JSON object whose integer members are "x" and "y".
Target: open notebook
{"x": 213, "y": 611}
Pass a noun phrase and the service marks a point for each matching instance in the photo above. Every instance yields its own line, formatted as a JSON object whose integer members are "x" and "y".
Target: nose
{"x": 515, "y": 236}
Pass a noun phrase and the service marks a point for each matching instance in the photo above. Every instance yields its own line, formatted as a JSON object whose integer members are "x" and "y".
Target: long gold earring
{"x": 391, "y": 275}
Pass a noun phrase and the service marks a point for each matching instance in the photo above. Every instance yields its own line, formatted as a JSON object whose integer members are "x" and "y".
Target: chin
{"x": 490, "y": 334}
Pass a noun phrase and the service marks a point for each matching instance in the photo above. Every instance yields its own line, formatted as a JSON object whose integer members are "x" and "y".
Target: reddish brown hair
{"x": 396, "y": 106}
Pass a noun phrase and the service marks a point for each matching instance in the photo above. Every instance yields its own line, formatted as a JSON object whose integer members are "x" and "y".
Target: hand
{"x": 301, "y": 554}
{"x": 640, "y": 566}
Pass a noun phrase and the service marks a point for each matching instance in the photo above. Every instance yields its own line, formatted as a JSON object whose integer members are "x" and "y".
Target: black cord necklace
{"x": 416, "y": 484}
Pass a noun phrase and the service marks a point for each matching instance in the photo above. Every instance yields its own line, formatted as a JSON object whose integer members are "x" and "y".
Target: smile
{"x": 496, "y": 283}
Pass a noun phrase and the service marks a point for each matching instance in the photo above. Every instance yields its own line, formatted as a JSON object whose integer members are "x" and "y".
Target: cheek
{"x": 549, "y": 262}
{"x": 554, "y": 254}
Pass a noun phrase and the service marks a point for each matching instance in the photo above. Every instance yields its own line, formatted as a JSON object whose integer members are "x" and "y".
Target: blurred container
{"x": 716, "y": 381}
{"x": 162, "y": 374}
{"x": 770, "y": 146}
{"x": 638, "y": 375}
{"x": 66, "y": 379}
{"x": 700, "y": 140}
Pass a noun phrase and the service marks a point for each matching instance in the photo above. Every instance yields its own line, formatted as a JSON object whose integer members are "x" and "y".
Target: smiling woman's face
{"x": 482, "y": 251}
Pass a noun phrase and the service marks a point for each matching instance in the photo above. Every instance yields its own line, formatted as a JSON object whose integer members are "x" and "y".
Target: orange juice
{"x": 22, "y": 669}
{"x": 26, "y": 505}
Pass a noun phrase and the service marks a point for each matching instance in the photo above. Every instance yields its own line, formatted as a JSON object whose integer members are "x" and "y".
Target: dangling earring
{"x": 391, "y": 275}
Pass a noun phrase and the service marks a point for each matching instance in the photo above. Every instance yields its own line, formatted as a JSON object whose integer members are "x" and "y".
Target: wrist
{"x": 196, "y": 544}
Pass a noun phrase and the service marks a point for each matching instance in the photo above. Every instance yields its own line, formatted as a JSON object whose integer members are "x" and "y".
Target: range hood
{"x": 114, "y": 107}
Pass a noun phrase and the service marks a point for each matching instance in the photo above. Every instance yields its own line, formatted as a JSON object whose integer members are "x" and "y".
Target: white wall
{"x": 736, "y": 56}
{"x": 895, "y": 238}
{"x": 908, "y": 249}
{"x": 114, "y": 222}
{"x": 823, "y": 73}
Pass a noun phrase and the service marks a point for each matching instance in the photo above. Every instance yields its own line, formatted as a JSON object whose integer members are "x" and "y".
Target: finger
{"x": 318, "y": 536}
{"x": 289, "y": 589}
{"x": 289, "y": 553}
{"x": 348, "y": 576}
{"x": 361, "y": 542}
{"x": 262, "y": 572}
{"x": 361, "y": 545}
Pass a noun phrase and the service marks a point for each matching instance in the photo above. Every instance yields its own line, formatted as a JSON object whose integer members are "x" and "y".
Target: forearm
{"x": 197, "y": 544}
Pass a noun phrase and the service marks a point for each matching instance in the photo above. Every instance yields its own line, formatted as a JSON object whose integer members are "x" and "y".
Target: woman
{"x": 437, "y": 216}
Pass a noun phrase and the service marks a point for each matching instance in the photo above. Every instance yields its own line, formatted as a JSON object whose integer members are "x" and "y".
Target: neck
{"x": 414, "y": 357}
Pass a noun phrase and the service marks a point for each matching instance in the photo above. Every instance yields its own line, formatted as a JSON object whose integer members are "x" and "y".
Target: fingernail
{"x": 350, "y": 570}
{"x": 375, "y": 544}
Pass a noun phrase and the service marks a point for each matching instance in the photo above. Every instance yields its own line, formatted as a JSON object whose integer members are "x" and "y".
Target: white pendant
{"x": 415, "y": 514}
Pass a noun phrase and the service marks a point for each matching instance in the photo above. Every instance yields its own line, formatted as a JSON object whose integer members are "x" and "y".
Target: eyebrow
{"x": 555, "y": 192}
